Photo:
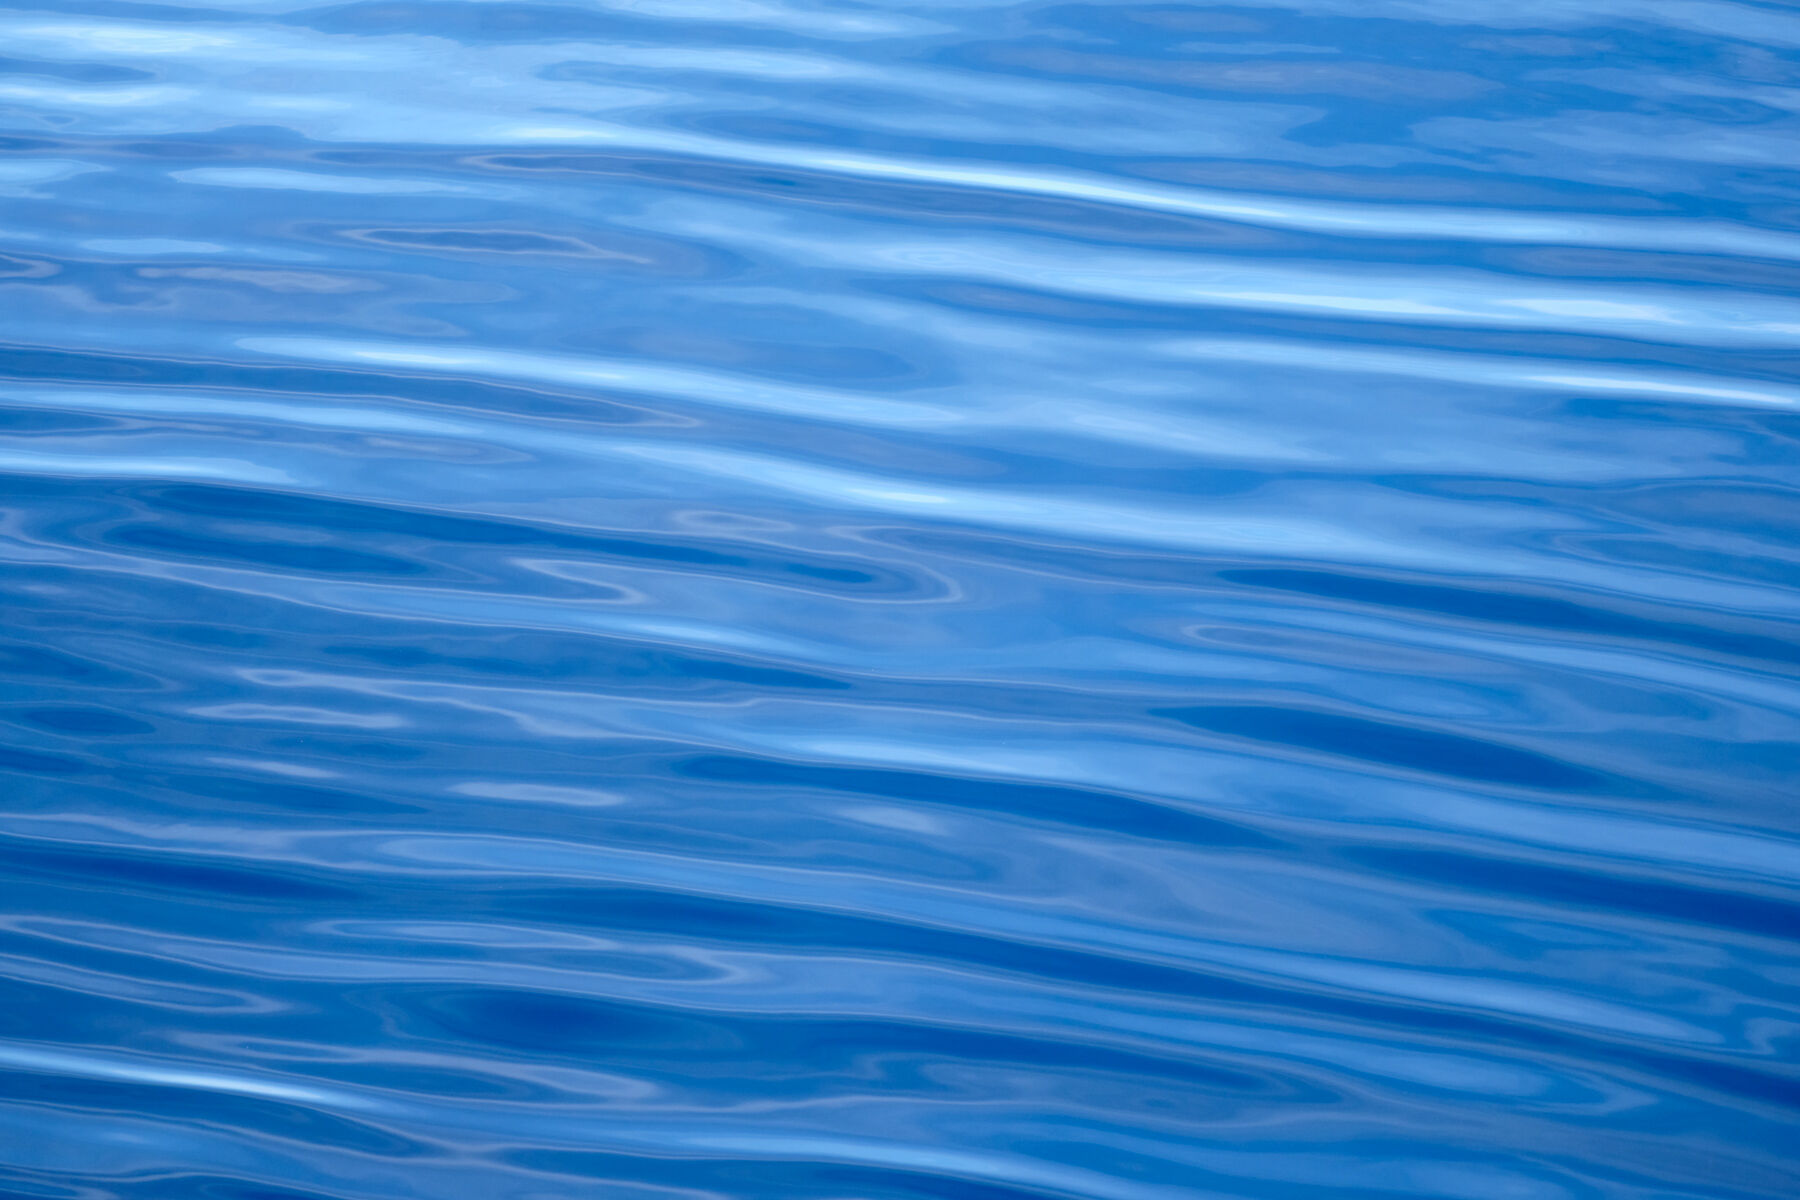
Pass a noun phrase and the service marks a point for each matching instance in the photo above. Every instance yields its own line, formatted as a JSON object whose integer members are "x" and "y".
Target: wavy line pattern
{"x": 821, "y": 600}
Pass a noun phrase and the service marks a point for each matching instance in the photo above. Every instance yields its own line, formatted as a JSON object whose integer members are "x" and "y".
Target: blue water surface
{"x": 978, "y": 600}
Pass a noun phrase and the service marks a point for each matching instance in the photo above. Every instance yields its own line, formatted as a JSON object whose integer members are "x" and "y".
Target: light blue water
{"x": 800, "y": 600}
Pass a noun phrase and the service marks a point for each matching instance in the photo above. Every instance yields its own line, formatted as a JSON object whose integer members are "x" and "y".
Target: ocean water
{"x": 818, "y": 600}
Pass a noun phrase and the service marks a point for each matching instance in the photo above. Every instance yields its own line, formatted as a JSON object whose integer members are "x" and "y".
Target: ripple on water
{"x": 771, "y": 599}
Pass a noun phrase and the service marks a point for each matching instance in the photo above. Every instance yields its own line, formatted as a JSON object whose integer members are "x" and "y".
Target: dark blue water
{"x": 815, "y": 600}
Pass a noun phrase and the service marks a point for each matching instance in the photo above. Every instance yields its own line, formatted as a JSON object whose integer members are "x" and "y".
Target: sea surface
{"x": 915, "y": 600}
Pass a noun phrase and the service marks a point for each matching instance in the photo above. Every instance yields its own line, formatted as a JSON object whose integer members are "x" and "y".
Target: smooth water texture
{"x": 816, "y": 600}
